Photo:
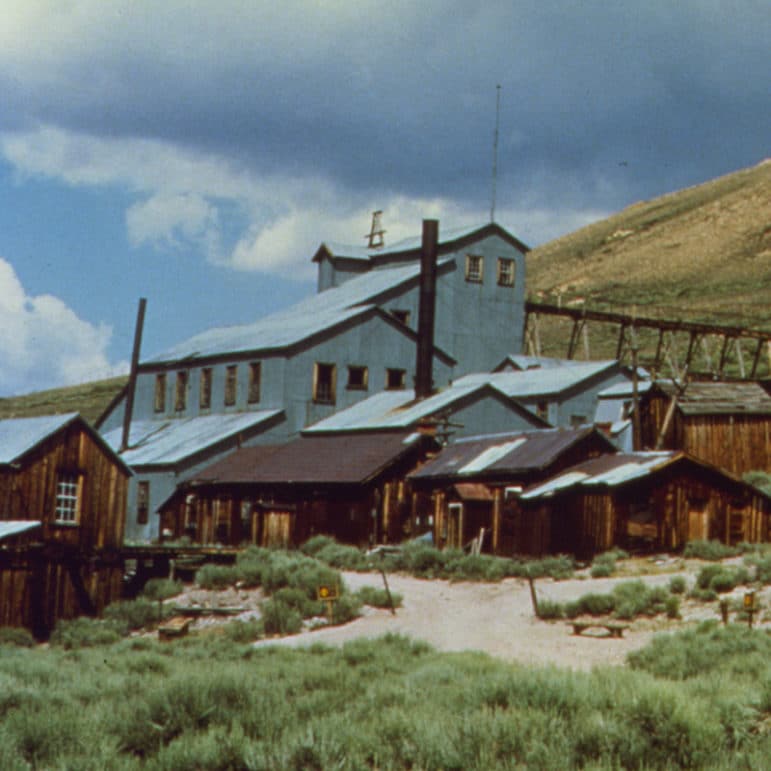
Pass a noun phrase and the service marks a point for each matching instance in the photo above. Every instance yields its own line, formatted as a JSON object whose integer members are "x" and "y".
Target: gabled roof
{"x": 172, "y": 441}
{"x": 541, "y": 382}
{"x": 316, "y": 460}
{"x": 400, "y": 409}
{"x": 409, "y": 248}
{"x": 721, "y": 398}
{"x": 624, "y": 468}
{"x": 20, "y": 436}
{"x": 522, "y": 362}
{"x": 315, "y": 315}
{"x": 505, "y": 454}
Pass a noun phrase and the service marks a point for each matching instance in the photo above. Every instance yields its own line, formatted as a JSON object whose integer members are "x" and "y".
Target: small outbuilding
{"x": 351, "y": 487}
{"x": 654, "y": 500}
{"x": 727, "y": 424}
{"x": 62, "y": 509}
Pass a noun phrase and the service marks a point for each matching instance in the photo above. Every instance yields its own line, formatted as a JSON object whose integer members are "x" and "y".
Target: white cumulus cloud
{"x": 43, "y": 343}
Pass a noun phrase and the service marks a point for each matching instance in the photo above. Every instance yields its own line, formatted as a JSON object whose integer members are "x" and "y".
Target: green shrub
{"x": 603, "y": 569}
{"x": 721, "y": 578}
{"x": 86, "y": 632}
{"x": 549, "y": 610}
{"x": 677, "y": 585}
{"x": 759, "y": 479}
{"x": 702, "y": 595}
{"x": 475, "y": 567}
{"x": 378, "y": 598}
{"x": 346, "y": 608}
{"x": 343, "y": 557}
{"x": 244, "y": 631}
{"x": 217, "y": 576}
{"x": 136, "y": 614}
{"x": 280, "y": 618}
{"x": 559, "y": 567}
{"x": 162, "y": 588}
{"x": 316, "y": 543}
{"x": 297, "y": 598}
{"x": 16, "y": 636}
{"x": 762, "y": 567}
{"x": 597, "y": 604}
{"x": 672, "y": 606}
{"x": 712, "y": 551}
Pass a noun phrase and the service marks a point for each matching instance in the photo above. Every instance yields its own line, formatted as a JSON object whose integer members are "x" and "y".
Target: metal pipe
{"x": 424, "y": 382}
{"x": 132, "y": 383}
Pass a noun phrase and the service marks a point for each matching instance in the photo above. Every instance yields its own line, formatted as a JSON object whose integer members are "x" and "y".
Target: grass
{"x": 697, "y": 699}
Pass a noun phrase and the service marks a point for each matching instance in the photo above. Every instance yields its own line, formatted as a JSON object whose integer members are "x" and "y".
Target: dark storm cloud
{"x": 609, "y": 102}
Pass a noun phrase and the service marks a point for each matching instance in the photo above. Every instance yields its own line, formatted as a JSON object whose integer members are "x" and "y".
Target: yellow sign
{"x": 327, "y": 592}
{"x": 749, "y": 600}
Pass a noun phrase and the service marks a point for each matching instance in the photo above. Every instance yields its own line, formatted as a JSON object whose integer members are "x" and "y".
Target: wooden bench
{"x": 174, "y": 627}
{"x": 613, "y": 630}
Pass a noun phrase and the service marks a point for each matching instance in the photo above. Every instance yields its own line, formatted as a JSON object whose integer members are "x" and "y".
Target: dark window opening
{"x": 396, "y": 379}
{"x": 231, "y": 382}
{"x": 180, "y": 393}
{"x": 160, "y": 392}
{"x": 357, "y": 378}
{"x": 474, "y": 268}
{"x": 403, "y": 316}
{"x": 255, "y": 378}
{"x": 143, "y": 503}
{"x": 205, "y": 395}
{"x": 324, "y": 383}
{"x": 507, "y": 271}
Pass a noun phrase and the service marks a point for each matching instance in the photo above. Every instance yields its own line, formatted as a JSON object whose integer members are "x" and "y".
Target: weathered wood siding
{"x": 737, "y": 443}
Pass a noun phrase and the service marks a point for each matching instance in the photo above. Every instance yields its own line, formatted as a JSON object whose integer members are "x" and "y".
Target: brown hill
{"x": 700, "y": 254}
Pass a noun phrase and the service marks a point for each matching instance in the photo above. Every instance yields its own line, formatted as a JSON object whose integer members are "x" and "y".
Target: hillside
{"x": 703, "y": 253}
{"x": 89, "y": 399}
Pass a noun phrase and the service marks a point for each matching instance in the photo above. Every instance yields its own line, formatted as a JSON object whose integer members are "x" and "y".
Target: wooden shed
{"x": 723, "y": 423}
{"x": 62, "y": 509}
{"x": 349, "y": 487}
{"x": 653, "y": 500}
{"x": 473, "y": 485}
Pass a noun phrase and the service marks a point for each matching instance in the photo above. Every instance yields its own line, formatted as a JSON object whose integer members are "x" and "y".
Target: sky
{"x": 197, "y": 153}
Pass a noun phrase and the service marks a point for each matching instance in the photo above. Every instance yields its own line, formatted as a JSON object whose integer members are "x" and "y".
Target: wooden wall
{"x": 737, "y": 443}
{"x": 30, "y": 492}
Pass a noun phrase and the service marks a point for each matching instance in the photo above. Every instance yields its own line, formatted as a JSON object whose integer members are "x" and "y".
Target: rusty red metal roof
{"x": 498, "y": 455}
{"x": 316, "y": 460}
{"x": 473, "y": 491}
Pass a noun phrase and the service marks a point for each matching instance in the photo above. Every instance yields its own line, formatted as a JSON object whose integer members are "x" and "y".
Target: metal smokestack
{"x": 132, "y": 383}
{"x": 424, "y": 381}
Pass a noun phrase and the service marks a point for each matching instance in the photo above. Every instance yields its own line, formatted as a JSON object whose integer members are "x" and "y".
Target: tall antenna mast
{"x": 495, "y": 149}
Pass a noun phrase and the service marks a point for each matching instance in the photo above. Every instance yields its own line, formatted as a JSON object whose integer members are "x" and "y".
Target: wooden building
{"x": 62, "y": 509}
{"x": 349, "y": 487}
{"x": 725, "y": 424}
{"x": 473, "y": 484}
{"x": 655, "y": 500}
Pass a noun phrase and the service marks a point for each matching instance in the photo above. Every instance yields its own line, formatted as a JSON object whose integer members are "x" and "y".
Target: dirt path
{"x": 495, "y": 618}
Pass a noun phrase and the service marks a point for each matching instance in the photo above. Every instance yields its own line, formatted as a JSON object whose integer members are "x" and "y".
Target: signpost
{"x": 328, "y": 593}
{"x": 749, "y": 606}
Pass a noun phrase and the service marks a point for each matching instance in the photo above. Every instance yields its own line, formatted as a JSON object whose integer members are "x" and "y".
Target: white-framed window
{"x": 507, "y": 272}
{"x": 475, "y": 265}
{"x": 67, "y": 497}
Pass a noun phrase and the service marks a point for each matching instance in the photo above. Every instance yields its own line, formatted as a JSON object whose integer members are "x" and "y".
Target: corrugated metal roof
{"x": 473, "y": 491}
{"x": 525, "y": 451}
{"x": 313, "y": 460}
{"x": 19, "y": 435}
{"x": 522, "y": 362}
{"x": 606, "y": 470}
{"x": 13, "y": 527}
{"x": 174, "y": 440}
{"x": 404, "y": 245}
{"x": 490, "y": 455}
{"x": 719, "y": 398}
{"x": 400, "y": 409}
{"x": 539, "y": 382}
{"x": 625, "y": 389}
{"x": 306, "y": 318}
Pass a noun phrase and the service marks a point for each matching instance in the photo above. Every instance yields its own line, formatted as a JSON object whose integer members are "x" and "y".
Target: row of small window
{"x": 205, "y": 389}
{"x": 475, "y": 270}
{"x": 325, "y": 381}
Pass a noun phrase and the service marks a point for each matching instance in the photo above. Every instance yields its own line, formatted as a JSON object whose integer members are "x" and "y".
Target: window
{"x": 576, "y": 421}
{"x": 542, "y": 410}
{"x": 396, "y": 378}
{"x": 160, "y": 392}
{"x": 474, "y": 267}
{"x": 255, "y": 377}
{"x": 358, "y": 378}
{"x": 204, "y": 398}
{"x": 67, "y": 497}
{"x": 143, "y": 503}
{"x": 403, "y": 316}
{"x": 231, "y": 382}
{"x": 507, "y": 271}
{"x": 324, "y": 383}
{"x": 180, "y": 392}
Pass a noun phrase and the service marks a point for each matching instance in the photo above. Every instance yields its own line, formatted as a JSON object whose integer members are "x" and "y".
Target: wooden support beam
{"x": 658, "y": 358}
{"x": 756, "y": 360}
{"x": 578, "y": 325}
{"x": 692, "y": 338}
{"x": 621, "y": 340}
{"x": 723, "y": 355}
{"x": 740, "y": 358}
